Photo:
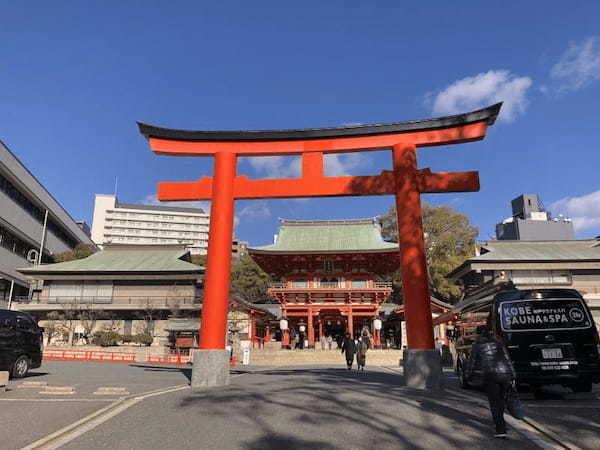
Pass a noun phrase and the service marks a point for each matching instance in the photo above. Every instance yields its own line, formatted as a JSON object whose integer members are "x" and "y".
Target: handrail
{"x": 332, "y": 285}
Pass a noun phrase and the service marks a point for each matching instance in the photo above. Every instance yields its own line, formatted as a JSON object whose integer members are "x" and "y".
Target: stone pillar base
{"x": 210, "y": 369}
{"x": 422, "y": 369}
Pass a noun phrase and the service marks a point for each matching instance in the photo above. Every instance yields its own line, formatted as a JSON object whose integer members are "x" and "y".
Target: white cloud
{"x": 255, "y": 210}
{"x": 152, "y": 200}
{"x": 276, "y": 166}
{"x": 286, "y": 167}
{"x": 584, "y": 210}
{"x": 482, "y": 90}
{"x": 339, "y": 165}
{"x": 579, "y": 65}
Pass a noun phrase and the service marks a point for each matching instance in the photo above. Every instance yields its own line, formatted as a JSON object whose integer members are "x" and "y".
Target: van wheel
{"x": 582, "y": 387}
{"x": 462, "y": 377}
{"x": 20, "y": 367}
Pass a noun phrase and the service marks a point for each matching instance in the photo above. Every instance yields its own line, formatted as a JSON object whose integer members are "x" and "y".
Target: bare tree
{"x": 148, "y": 314}
{"x": 51, "y": 326}
{"x": 114, "y": 323}
{"x": 88, "y": 316}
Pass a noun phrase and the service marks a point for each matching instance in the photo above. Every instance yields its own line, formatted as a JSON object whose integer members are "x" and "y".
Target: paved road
{"x": 574, "y": 419}
{"x": 274, "y": 408}
{"x": 26, "y": 415}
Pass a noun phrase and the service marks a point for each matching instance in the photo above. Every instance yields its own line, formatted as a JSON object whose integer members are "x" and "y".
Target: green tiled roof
{"x": 124, "y": 259}
{"x": 328, "y": 236}
{"x": 539, "y": 251}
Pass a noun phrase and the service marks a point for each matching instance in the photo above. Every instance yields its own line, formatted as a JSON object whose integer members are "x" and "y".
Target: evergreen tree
{"x": 79, "y": 252}
{"x": 449, "y": 241}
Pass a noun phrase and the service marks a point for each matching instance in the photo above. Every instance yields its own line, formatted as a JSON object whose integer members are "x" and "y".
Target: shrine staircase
{"x": 273, "y": 355}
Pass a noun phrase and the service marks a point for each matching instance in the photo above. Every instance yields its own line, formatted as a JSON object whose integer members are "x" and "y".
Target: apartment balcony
{"x": 106, "y": 303}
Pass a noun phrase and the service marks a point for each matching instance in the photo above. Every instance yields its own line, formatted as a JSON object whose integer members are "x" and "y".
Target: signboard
{"x": 543, "y": 315}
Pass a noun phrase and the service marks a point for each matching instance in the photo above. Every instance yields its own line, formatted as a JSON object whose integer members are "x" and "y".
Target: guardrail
{"x": 51, "y": 354}
{"x": 114, "y": 300}
{"x": 88, "y": 355}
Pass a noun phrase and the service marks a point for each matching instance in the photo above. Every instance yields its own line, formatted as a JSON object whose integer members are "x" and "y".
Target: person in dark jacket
{"x": 498, "y": 373}
{"x": 349, "y": 347}
{"x": 364, "y": 342}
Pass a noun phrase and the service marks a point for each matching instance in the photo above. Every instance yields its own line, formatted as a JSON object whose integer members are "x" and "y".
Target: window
{"x": 540, "y": 277}
{"x": 23, "y": 323}
{"x": 329, "y": 283}
{"x": 13, "y": 243}
{"x": 37, "y": 213}
{"x": 300, "y": 284}
{"x": 359, "y": 283}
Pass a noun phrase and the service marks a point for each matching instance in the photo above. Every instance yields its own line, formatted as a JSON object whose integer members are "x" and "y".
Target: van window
{"x": 547, "y": 314}
{"x": 24, "y": 323}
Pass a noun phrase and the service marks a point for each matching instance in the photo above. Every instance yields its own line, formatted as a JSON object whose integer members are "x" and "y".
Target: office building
{"x": 531, "y": 222}
{"x": 25, "y": 205}
{"x": 122, "y": 223}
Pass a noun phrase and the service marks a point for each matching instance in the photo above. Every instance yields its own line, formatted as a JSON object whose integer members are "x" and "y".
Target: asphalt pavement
{"x": 278, "y": 408}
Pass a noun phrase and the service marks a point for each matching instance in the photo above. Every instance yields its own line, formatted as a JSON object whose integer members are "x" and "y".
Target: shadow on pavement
{"x": 330, "y": 406}
{"x": 186, "y": 371}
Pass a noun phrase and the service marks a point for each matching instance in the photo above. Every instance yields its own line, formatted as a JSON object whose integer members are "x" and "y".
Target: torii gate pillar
{"x": 421, "y": 362}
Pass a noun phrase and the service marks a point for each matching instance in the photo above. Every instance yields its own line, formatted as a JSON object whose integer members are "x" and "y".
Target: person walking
{"x": 323, "y": 341}
{"x": 364, "y": 343}
{"x": 349, "y": 348}
{"x": 498, "y": 373}
{"x": 329, "y": 342}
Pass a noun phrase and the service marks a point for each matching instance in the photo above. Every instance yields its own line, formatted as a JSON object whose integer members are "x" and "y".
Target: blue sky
{"x": 75, "y": 76}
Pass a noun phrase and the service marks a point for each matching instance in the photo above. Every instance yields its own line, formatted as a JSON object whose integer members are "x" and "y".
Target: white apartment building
{"x": 121, "y": 223}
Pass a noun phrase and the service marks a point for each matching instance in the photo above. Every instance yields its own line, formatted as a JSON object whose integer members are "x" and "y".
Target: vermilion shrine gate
{"x": 406, "y": 182}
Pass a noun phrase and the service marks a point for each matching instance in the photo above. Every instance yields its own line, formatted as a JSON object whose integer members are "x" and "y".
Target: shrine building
{"x": 326, "y": 274}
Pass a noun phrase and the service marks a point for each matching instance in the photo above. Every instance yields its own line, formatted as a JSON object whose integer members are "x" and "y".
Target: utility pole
{"x": 10, "y": 294}
{"x": 39, "y": 259}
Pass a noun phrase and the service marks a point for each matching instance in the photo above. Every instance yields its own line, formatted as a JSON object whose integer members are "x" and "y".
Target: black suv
{"x": 20, "y": 343}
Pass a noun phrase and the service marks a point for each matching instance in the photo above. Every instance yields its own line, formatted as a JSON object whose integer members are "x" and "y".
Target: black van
{"x": 549, "y": 333}
{"x": 20, "y": 343}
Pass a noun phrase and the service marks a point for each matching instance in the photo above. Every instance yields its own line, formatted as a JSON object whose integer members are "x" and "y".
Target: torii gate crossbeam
{"x": 406, "y": 182}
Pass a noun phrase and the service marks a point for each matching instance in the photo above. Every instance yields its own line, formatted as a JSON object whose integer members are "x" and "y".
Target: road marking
{"x": 58, "y": 390}
{"x": 566, "y": 405}
{"x": 57, "y": 400}
{"x": 111, "y": 391}
{"x": 32, "y": 384}
{"x": 67, "y": 434}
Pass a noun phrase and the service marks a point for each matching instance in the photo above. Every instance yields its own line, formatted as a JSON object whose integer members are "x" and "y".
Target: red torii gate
{"x": 406, "y": 182}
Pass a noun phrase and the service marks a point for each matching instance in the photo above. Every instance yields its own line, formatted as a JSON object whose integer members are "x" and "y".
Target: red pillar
{"x": 377, "y": 338}
{"x": 216, "y": 291}
{"x": 320, "y": 327}
{"x": 311, "y": 328}
{"x": 267, "y": 334}
{"x": 285, "y": 338}
{"x": 350, "y": 321}
{"x": 252, "y": 331}
{"x": 419, "y": 326}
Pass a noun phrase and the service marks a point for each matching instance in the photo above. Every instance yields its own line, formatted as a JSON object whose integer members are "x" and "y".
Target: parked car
{"x": 20, "y": 343}
{"x": 549, "y": 333}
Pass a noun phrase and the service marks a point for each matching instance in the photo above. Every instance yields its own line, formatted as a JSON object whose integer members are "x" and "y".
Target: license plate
{"x": 552, "y": 353}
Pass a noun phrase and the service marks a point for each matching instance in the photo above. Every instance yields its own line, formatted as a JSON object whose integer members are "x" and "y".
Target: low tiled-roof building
{"x": 126, "y": 282}
{"x": 533, "y": 264}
